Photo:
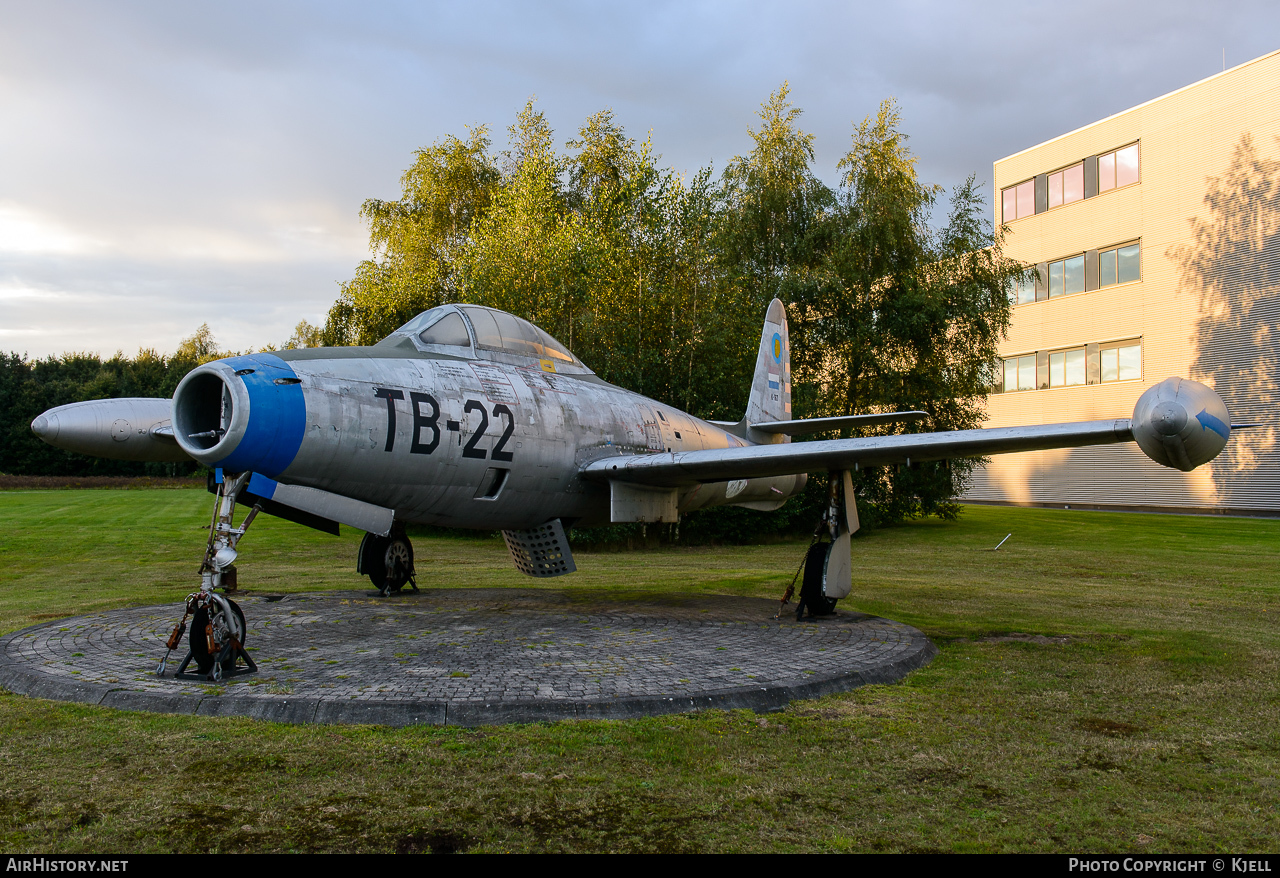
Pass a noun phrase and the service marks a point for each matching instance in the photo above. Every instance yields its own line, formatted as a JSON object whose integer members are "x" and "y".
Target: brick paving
{"x": 470, "y": 657}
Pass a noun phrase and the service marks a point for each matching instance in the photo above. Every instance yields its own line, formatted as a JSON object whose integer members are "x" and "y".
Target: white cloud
{"x": 25, "y": 231}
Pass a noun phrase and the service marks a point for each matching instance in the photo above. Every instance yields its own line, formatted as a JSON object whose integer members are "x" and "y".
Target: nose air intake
{"x": 242, "y": 414}
{"x": 204, "y": 409}
{"x": 208, "y": 419}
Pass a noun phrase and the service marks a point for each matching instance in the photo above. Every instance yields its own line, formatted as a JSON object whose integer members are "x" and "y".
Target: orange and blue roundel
{"x": 777, "y": 347}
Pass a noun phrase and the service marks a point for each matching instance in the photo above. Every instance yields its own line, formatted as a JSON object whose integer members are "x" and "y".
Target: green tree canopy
{"x": 899, "y": 315}
{"x": 659, "y": 282}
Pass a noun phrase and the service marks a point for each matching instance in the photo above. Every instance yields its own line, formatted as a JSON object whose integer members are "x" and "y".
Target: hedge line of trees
{"x": 659, "y": 283}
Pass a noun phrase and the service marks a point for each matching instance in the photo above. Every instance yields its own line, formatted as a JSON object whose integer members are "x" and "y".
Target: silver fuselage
{"x": 493, "y": 443}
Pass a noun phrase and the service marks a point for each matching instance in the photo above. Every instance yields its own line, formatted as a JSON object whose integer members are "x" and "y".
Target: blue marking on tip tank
{"x": 277, "y": 416}
{"x": 1209, "y": 422}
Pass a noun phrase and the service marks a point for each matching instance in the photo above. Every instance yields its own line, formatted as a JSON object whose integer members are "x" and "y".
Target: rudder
{"x": 770, "y": 398}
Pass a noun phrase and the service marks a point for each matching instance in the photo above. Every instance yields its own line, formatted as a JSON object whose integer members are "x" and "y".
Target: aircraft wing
{"x": 762, "y": 461}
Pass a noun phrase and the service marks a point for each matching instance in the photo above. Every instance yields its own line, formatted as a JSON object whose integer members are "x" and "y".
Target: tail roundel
{"x": 770, "y": 398}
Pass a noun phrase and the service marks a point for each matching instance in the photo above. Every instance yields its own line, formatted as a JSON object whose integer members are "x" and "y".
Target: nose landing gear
{"x": 216, "y": 642}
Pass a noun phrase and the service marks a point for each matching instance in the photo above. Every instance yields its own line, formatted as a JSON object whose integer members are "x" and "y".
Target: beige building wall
{"x": 1207, "y": 213}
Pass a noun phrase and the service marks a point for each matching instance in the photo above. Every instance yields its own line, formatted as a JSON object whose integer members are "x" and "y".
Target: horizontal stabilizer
{"x": 821, "y": 425}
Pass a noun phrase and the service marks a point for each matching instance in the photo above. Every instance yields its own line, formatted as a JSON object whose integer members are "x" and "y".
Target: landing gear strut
{"x": 218, "y": 628}
{"x": 828, "y": 567}
{"x": 388, "y": 562}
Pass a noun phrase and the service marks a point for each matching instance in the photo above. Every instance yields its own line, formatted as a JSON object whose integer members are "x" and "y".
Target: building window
{"x": 1119, "y": 265}
{"x": 1018, "y": 201}
{"x": 1085, "y": 179}
{"x": 1067, "y": 185}
{"x": 1073, "y": 367}
{"x": 1119, "y": 168}
{"x": 1066, "y": 276}
{"x": 1024, "y": 288}
{"x": 1066, "y": 368}
{"x": 1020, "y": 373}
{"x": 1121, "y": 361}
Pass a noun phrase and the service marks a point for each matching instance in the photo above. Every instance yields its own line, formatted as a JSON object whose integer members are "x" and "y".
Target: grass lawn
{"x": 1138, "y": 713}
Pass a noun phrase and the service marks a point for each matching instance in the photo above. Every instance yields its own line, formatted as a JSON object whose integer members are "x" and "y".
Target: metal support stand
{"x": 236, "y": 670}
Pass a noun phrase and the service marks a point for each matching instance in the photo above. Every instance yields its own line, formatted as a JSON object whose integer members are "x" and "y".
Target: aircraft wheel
{"x": 199, "y": 642}
{"x": 398, "y": 563}
{"x": 373, "y": 559}
{"x": 811, "y": 595}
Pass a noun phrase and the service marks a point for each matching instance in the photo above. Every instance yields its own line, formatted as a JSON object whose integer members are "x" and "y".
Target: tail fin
{"x": 770, "y": 398}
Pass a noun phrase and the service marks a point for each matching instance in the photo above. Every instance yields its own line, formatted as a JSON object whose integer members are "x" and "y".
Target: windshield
{"x": 450, "y": 330}
{"x": 494, "y": 331}
{"x": 426, "y": 318}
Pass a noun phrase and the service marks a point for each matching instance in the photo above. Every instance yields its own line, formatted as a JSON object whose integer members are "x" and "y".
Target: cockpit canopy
{"x": 464, "y": 330}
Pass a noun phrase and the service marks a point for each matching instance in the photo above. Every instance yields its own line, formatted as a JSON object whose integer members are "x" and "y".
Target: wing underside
{"x": 762, "y": 461}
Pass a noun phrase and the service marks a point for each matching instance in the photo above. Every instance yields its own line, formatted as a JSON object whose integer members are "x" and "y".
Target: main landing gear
{"x": 218, "y": 629}
{"x": 387, "y": 561}
{"x": 828, "y": 566}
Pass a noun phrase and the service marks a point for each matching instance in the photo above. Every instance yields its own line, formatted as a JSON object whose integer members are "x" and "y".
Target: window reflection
{"x": 1106, "y": 172}
{"x": 1119, "y": 168}
{"x": 1122, "y": 362}
{"x": 1116, "y": 361}
{"x": 1127, "y": 165}
{"x": 1127, "y": 259}
{"x": 1066, "y": 368}
{"x": 1116, "y": 168}
{"x": 1067, "y": 185}
{"x": 1073, "y": 183}
{"x": 1027, "y": 198}
{"x": 1119, "y": 265}
{"x": 1026, "y": 288}
{"x": 1074, "y": 275}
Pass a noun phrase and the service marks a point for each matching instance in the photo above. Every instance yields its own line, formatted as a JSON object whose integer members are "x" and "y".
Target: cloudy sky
{"x": 164, "y": 165}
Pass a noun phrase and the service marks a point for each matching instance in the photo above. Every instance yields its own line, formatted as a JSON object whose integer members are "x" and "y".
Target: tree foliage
{"x": 897, "y": 315}
{"x": 659, "y": 282}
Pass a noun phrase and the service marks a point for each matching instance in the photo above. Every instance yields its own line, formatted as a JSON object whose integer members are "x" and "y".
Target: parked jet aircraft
{"x": 471, "y": 417}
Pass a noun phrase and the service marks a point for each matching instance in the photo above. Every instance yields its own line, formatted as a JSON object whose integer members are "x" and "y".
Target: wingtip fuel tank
{"x": 117, "y": 429}
{"x": 1180, "y": 423}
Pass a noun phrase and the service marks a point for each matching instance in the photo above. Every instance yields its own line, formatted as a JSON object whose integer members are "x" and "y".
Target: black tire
{"x": 373, "y": 559}
{"x": 398, "y": 563}
{"x": 811, "y": 595}
{"x": 388, "y": 562}
{"x": 200, "y": 644}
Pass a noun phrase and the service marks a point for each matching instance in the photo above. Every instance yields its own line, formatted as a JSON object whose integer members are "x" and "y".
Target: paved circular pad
{"x": 470, "y": 657}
